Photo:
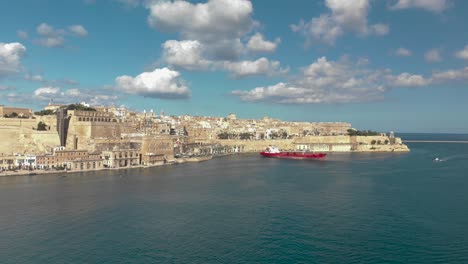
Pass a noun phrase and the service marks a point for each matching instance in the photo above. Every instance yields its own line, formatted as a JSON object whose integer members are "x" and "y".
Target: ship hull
{"x": 294, "y": 155}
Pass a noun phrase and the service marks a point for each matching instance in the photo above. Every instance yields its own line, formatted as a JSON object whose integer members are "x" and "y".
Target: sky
{"x": 385, "y": 65}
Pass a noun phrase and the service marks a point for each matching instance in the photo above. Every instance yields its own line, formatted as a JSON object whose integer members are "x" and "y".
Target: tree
{"x": 245, "y": 135}
{"x": 354, "y": 132}
{"x": 80, "y": 107}
{"x": 223, "y": 135}
{"x": 373, "y": 142}
{"x": 44, "y": 112}
{"x": 11, "y": 115}
{"x": 41, "y": 126}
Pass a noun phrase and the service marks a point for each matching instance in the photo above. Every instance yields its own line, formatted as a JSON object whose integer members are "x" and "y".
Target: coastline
{"x": 172, "y": 162}
{"x": 44, "y": 172}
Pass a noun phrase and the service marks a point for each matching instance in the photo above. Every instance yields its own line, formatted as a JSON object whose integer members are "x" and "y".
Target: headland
{"x": 80, "y": 137}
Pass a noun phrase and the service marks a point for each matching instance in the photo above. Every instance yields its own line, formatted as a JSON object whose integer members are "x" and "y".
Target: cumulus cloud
{"x": 433, "y": 55}
{"x": 462, "y": 54}
{"x": 188, "y": 54}
{"x": 408, "y": 80}
{"x": 208, "y": 23}
{"x": 211, "y": 37}
{"x": 430, "y": 5}
{"x": 343, "y": 81}
{"x": 51, "y": 37}
{"x": 78, "y": 30}
{"x": 185, "y": 54}
{"x": 451, "y": 75}
{"x": 160, "y": 83}
{"x": 403, "y": 52}
{"x": 323, "y": 81}
{"x": 74, "y": 95}
{"x": 10, "y": 58}
{"x": 344, "y": 16}
{"x": 257, "y": 43}
{"x": 262, "y": 66}
{"x": 46, "y": 93}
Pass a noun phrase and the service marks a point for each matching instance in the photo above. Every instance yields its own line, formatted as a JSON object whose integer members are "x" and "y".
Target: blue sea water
{"x": 349, "y": 208}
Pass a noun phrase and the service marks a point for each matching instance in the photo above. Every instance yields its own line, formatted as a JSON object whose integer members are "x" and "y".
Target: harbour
{"x": 352, "y": 207}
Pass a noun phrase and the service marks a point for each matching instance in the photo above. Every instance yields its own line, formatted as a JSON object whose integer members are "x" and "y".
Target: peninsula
{"x": 80, "y": 137}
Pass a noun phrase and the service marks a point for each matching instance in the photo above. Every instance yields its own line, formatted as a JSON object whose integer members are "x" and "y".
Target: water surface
{"x": 372, "y": 208}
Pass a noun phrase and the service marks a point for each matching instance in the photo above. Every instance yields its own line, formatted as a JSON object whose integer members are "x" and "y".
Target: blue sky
{"x": 384, "y": 65}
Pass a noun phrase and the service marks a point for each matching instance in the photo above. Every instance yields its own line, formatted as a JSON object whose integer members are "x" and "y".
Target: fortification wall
{"x": 18, "y": 122}
{"x": 323, "y": 140}
{"x": 14, "y": 139}
{"x": 256, "y": 145}
{"x": 334, "y": 143}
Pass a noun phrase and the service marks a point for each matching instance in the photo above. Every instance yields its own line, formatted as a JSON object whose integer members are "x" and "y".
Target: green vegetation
{"x": 246, "y": 135}
{"x": 80, "y": 107}
{"x": 226, "y": 135}
{"x": 354, "y": 132}
{"x": 12, "y": 115}
{"x": 41, "y": 126}
{"x": 44, "y": 112}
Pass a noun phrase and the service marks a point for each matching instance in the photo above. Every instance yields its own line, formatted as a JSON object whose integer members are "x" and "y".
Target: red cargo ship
{"x": 274, "y": 152}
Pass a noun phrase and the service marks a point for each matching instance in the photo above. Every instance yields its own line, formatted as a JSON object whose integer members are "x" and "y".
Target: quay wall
{"x": 333, "y": 143}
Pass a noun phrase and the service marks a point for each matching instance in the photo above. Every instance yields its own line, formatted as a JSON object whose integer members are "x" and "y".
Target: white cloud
{"x": 7, "y": 88}
{"x": 160, "y": 83}
{"x": 34, "y": 77}
{"x": 185, "y": 54}
{"x": 78, "y": 30}
{"x": 51, "y": 37}
{"x": 74, "y": 95}
{"x": 451, "y": 75}
{"x": 430, "y": 5}
{"x": 10, "y": 58}
{"x": 433, "y": 55}
{"x": 344, "y": 16}
{"x": 462, "y": 54}
{"x": 409, "y": 80}
{"x": 403, "y": 52}
{"x": 342, "y": 81}
{"x": 262, "y": 66}
{"x": 258, "y": 44}
{"x": 22, "y": 34}
{"x": 208, "y": 23}
{"x": 46, "y": 93}
{"x": 45, "y": 82}
{"x": 189, "y": 55}
{"x": 380, "y": 29}
{"x": 322, "y": 82}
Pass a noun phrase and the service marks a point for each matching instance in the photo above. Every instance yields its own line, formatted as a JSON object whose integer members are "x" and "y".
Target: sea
{"x": 348, "y": 208}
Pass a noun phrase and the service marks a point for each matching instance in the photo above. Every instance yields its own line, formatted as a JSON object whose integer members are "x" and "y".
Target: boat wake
{"x": 450, "y": 158}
